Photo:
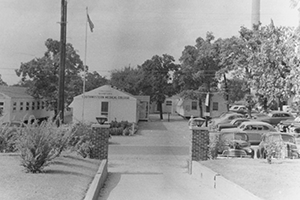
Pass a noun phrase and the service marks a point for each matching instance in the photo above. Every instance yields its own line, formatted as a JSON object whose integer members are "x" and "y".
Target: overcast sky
{"x": 127, "y": 32}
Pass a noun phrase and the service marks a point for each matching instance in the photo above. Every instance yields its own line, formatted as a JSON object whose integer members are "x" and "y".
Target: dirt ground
{"x": 67, "y": 178}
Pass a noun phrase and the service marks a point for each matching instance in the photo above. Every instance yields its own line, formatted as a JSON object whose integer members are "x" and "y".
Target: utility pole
{"x": 63, "y": 32}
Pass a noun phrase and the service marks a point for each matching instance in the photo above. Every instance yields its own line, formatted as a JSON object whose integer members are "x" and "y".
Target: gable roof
{"x": 15, "y": 92}
{"x": 106, "y": 90}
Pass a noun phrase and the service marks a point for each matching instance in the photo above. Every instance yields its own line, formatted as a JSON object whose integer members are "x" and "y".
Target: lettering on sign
{"x": 107, "y": 97}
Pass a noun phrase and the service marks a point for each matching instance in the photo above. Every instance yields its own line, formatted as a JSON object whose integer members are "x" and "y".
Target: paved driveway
{"x": 153, "y": 164}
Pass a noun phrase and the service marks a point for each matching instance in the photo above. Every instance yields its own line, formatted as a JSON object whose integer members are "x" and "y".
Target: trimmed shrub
{"x": 38, "y": 144}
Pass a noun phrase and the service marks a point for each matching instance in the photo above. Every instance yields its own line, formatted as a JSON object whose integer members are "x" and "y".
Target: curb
{"x": 98, "y": 181}
{"x": 221, "y": 184}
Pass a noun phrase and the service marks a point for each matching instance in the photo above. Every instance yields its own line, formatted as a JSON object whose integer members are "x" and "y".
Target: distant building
{"x": 107, "y": 101}
{"x": 168, "y": 106}
{"x": 17, "y": 105}
{"x": 188, "y": 107}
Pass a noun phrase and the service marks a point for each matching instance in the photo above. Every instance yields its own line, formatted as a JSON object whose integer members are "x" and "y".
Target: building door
{"x": 143, "y": 110}
{"x": 104, "y": 108}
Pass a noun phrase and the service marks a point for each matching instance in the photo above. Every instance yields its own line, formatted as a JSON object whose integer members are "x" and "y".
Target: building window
{"x": 15, "y": 106}
{"x": 38, "y": 105}
{"x": 33, "y": 106}
{"x": 27, "y": 105}
{"x": 21, "y": 105}
{"x": 194, "y": 105}
{"x": 104, "y": 108}
{"x": 43, "y": 104}
{"x": 168, "y": 103}
{"x": 215, "y": 106}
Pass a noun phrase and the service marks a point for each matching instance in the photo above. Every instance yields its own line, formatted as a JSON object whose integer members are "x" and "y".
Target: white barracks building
{"x": 17, "y": 105}
{"x": 107, "y": 101}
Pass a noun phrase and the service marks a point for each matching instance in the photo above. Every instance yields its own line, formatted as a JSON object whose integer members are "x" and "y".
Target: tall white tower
{"x": 255, "y": 12}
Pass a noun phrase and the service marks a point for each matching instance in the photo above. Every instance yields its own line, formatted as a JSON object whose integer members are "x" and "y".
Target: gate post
{"x": 200, "y": 144}
{"x": 100, "y": 141}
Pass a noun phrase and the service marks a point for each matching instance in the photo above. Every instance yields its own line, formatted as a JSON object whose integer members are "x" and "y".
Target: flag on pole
{"x": 207, "y": 99}
{"x": 90, "y": 22}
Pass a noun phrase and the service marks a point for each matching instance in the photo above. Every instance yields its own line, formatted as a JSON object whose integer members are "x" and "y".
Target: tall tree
{"x": 94, "y": 80}
{"x": 199, "y": 64}
{"x": 44, "y": 72}
{"x": 262, "y": 57}
{"x": 127, "y": 79}
{"x": 157, "y": 78}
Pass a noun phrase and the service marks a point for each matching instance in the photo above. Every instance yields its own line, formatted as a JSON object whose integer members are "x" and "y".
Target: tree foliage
{"x": 127, "y": 79}
{"x": 199, "y": 64}
{"x": 94, "y": 80}
{"x": 264, "y": 58}
{"x": 157, "y": 78}
{"x": 42, "y": 74}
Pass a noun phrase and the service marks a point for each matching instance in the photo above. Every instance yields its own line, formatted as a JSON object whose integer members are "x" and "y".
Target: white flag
{"x": 207, "y": 99}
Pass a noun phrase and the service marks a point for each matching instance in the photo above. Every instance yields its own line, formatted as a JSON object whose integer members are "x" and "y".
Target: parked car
{"x": 233, "y": 123}
{"x": 254, "y": 129}
{"x": 213, "y": 123}
{"x": 234, "y": 144}
{"x": 13, "y": 124}
{"x": 286, "y": 125}
{"x": 274, "y": 117}
{"x": 288, "y": 140}
{"x": 239, "y": 109}
{"x": 258, "y": 115}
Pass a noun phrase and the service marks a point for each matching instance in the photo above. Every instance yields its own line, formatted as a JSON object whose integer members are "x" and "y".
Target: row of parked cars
{"x": 239, "y": 134}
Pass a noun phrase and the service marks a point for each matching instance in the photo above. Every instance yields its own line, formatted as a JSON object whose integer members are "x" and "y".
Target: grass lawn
{"x": 67, "y": 178}
{"x": 277, "y": 181}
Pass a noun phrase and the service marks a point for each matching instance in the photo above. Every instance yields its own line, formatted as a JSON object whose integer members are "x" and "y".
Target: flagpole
{"x": 84, "y": 66}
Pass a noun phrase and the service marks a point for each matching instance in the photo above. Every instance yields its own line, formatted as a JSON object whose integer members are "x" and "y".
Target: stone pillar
{"x": 100, "y": 141}
{"x": 200, "y": 142}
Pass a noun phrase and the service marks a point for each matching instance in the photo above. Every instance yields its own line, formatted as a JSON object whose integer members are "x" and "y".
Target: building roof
{"x": 106, "y": 90}
{"x": 15, "y": 92}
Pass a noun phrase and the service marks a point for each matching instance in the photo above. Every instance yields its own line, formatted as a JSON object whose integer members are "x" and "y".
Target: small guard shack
{"x": 108, "y": 101}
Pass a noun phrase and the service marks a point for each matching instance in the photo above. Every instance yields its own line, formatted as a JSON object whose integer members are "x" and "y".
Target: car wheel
{"x": 258, "y": 153}
{"x": 252, "y": 153}
{"x": 264, "y": 155}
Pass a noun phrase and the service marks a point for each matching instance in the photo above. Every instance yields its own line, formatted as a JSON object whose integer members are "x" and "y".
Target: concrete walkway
{"x": 154, "y": 165}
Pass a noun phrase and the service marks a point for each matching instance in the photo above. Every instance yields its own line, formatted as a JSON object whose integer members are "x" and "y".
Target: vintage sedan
{"x": 289, "y": 141}
{"x": 234, "y": 144}
{"x": 233, "y": 123}
{"x": 254, "y": 129}
{"x": 226, "y": 118}
{"x": 239, "y": 109}
{"x": 274, "y": 117}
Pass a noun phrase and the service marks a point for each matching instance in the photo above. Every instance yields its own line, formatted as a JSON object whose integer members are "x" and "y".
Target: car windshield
{"x": 288, "y": 138}
{"x": 234, "y": 136}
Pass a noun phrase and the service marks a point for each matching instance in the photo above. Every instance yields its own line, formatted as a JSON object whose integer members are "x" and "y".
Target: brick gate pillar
{"x": 100, "y": 141}
{"x": 200, "y": 142}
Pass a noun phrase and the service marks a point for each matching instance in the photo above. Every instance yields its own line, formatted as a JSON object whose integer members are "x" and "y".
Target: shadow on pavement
{"x": 113, "y": 179}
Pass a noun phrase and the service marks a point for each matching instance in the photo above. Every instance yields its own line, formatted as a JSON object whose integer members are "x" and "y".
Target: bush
{"x": 40, "y": 143}
{"x": 82, "y": 140}
{"x": 8, "y": 137}
{"x": 274, "y": 150}
{"x": 215, "y": 146}
{"x": 122, "y": 128}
